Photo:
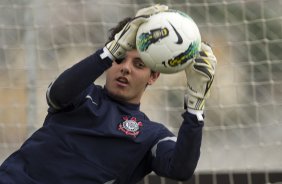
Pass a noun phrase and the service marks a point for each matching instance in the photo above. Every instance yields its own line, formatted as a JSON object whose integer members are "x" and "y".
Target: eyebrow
{"x": 138, "y": 58}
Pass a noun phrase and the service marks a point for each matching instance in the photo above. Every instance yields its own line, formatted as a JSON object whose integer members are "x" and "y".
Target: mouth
{"x": 122, "y": 81}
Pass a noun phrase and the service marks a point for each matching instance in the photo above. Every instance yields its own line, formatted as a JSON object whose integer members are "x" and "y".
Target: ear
{"x": 153, "y": 77}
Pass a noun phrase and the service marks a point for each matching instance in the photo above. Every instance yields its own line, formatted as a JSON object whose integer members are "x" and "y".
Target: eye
{"x": 139, "y": 64}
{"x": 118, "y": 61}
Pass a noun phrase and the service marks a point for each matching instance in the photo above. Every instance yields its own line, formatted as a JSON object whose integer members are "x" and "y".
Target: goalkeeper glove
{"x": 200, "y": 75}
{"x": 151, "y": 10}
{"x": 125, "y": 39}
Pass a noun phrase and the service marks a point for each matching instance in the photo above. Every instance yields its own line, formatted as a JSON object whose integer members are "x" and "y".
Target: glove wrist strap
{"x": 106, "y": 53}
{"x": 192, "y": 110}
{"x": 116, "y": 50}
{"x": 194, "y": 102}
{"x": 198, "y": 113}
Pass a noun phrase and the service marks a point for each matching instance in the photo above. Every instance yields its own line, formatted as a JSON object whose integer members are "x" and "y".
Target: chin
{"x": 117, "y": 95}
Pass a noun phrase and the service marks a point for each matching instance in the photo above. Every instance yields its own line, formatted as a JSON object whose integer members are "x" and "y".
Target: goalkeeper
{"x": 98, "y": 135}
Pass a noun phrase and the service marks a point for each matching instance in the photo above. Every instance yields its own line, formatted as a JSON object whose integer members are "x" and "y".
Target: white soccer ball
{"x": 168, "y": 41}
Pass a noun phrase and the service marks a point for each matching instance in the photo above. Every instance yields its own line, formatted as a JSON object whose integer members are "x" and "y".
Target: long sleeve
{"x": 76, "y": 79}
{"x": 178, "y": 160}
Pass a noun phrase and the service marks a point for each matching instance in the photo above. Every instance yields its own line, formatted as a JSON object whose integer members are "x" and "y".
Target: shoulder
{"x": 95, "y": 91}
{"x": 94, "y": 88}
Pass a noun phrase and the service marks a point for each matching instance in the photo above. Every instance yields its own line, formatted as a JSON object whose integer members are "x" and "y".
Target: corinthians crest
{"x": 130, "y": 126}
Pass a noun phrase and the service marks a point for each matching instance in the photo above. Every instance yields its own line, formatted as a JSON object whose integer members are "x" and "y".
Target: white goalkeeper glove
{"x": 200, "y": 75}
{"x": 151, "y": 10}
{"x": 125, "y": 39}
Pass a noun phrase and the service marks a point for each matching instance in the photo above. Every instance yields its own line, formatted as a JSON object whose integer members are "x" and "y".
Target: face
{"x": 127, "y": 81}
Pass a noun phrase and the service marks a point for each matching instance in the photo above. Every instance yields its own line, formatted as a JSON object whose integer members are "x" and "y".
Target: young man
{"x": 98, "y": 135}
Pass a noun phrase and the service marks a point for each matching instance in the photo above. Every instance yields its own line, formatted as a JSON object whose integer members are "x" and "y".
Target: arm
{"x": 178, "y": 160}
{"x": 76, "y": 79}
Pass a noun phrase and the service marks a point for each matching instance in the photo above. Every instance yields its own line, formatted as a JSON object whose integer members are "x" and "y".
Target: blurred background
{"x": 243, "y": 131}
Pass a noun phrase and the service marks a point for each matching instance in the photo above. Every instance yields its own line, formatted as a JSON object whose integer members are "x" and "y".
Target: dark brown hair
{"x": 118, "y": 28}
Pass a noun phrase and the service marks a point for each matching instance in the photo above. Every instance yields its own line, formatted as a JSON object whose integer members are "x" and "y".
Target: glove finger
{"x": 134, "y": 23}
{"x": 152, "y": 10}
{"x": 206, "y": 47}
{"x": 128, "y": 33}
{"x": 203, "y": 54}
{"x": 137, "y": 21}
{"x": 205, "y": 62}
{"x": 204, "y": 70}
{"x": 125, "y": 29}
{"x": 208, "y": 56}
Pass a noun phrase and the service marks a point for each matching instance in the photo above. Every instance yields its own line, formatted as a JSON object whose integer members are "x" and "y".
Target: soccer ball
{"x": 168, "y": 41}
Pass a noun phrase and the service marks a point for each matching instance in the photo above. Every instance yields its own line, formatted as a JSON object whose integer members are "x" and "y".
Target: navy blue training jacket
{"x": 88, "y": 137}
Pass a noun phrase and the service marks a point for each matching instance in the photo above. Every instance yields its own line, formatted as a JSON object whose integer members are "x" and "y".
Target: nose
{"x": 125, "y": 67}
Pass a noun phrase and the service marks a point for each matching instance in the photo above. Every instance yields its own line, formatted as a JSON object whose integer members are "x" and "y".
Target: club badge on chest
{"x": 130, "y": 126}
